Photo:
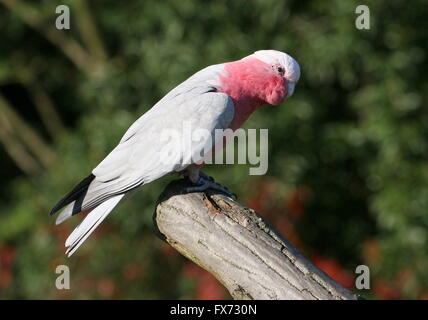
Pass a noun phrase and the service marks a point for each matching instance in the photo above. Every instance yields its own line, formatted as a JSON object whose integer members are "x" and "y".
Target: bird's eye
{"x": 280, "y": 70}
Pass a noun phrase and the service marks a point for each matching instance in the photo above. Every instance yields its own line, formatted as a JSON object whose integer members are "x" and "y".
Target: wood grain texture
{"x": 239, "y": 247}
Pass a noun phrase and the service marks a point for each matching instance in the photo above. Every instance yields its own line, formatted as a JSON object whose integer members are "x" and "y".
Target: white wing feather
{"x": 88, "y": 225}
{"x": 136, "y": 160}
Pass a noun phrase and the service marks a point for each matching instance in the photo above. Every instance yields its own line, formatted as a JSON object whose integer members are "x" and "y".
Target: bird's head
{"x": 282, "y": 65}
{"x": 266, "y": 76}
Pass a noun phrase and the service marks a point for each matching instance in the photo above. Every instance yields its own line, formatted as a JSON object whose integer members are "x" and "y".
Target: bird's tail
{"x": 91, "y": 221}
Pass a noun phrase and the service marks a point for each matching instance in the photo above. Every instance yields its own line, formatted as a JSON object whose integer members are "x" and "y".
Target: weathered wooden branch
{"x": 239, "y": 248}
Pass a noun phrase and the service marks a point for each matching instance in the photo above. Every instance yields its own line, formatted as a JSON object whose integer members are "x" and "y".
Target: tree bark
{"x": 239, "y": 247}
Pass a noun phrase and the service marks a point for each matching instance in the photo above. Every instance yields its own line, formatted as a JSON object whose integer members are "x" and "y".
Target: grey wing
{"x": 139, "y": 158}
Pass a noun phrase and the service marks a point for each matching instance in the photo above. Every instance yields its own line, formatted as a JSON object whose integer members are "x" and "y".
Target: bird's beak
{"x": 290, "y": 88}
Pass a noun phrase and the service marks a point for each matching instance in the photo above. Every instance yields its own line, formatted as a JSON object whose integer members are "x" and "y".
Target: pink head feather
{"x": 257, "y": 80}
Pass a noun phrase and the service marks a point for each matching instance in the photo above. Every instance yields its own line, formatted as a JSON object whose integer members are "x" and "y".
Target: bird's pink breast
{"x": 251, "y": 83}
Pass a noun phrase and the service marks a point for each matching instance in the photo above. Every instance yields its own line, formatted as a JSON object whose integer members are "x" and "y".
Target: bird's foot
{"x": 205, "y": 182}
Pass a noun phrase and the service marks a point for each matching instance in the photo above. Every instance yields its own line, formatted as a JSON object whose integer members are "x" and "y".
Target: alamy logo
{"x": 362, "y": 22}
{"x": 63, "y": 20}
{"x": 189, "y": 145}
{"x": 363, "y": 280}
{"x": 62, "y": 282}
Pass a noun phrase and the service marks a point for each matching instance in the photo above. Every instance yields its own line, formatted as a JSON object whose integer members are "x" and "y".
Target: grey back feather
{"x": 136, "y": 159}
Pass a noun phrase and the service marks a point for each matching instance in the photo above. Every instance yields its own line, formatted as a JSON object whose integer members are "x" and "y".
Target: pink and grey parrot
{"x": 220, "y": 96}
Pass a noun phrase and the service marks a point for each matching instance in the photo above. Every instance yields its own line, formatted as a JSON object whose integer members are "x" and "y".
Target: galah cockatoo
{"x": 220, "y": 96}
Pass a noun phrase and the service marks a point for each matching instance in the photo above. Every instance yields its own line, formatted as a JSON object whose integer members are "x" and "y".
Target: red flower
{"x": 334, "y": 270}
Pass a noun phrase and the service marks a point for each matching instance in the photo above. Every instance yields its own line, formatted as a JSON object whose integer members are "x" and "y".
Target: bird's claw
{"x": 206, "y": 182}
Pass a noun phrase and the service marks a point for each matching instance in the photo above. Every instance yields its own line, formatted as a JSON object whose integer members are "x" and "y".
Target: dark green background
{"x": 348, "y": 153}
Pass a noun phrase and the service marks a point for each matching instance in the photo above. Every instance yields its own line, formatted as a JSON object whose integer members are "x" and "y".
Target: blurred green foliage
{"x": 348, "y": 172}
